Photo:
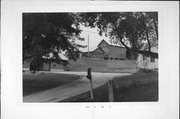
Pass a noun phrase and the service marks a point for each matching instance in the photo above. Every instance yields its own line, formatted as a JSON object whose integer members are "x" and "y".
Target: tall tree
{"x": 134, "y": 27}
{"x": 45, "y": 33}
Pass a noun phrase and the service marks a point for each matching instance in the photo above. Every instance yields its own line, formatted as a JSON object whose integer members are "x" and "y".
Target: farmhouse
{"x": 46, "y": 64}
{"x": 107, "y": 51}
{"x": 145, "y": 62}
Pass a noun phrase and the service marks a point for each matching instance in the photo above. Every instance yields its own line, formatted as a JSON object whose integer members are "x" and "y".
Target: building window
{"x": 152, "y": 59}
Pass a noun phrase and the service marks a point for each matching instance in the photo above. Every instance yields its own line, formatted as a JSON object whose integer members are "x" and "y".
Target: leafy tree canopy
{"x": 134, "y": 27}
{"x": 45, "y": 33}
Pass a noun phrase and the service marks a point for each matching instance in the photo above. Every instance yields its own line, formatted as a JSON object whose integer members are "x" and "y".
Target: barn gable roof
{"x": 103, "y": 41}
{"x": 116, "y": 46}
{"x": 98, "y": 48}
{"x": 95, "y": 50}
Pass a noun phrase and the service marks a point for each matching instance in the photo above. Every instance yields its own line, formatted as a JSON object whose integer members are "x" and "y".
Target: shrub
{"x": 143, "y": 70}
{"x": 67, "y": 68}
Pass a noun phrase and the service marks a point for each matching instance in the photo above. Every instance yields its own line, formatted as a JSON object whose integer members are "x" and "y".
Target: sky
{"x": 94, "y": 38}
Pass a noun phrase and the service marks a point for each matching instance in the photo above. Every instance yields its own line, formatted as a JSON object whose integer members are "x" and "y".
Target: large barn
{"x": 107, "y": 51}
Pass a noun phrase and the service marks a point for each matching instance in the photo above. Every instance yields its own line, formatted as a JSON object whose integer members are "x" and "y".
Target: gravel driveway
{"x": 76, "y": 87}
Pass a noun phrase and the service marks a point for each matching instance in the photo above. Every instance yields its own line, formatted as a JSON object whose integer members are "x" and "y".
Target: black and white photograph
{"x": 90, "y": 57}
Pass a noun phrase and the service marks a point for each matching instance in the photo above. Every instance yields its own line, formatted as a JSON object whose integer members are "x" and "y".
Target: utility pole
{"x": 88, "y": 45}
{"x": 88, "y": 51}
{"x": 89, "y": 74}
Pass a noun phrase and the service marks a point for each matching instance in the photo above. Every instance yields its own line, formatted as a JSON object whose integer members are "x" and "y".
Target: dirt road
{"x": 76, "y": 87}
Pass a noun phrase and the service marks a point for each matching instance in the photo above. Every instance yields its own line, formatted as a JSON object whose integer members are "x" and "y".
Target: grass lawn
{"x": 33, "y": 83}
{"x": 97, "y": 65}
{"x": 137, "y": 87}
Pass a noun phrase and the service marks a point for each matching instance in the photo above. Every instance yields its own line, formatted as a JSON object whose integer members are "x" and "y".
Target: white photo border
{"x": 12, "y": 101}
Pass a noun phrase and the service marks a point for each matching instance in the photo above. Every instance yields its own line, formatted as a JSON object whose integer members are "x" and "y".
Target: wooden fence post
{"x": 89, "y": 76}
{"x": 110, "y": 91}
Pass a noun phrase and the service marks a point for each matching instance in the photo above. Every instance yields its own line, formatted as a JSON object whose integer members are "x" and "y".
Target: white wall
{"x": 147, "y": 63}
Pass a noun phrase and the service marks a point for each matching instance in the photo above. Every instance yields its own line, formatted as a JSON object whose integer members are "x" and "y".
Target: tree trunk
{"x": 156, "y": 29}
{"x": 49, "y": 65}
{"x": 124, "y": 45}
{"x": 147, "y": 36}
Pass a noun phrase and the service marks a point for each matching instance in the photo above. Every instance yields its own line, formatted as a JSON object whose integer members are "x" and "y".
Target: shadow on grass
{"x": 139, "y": 87}
{"x": 33, "y": 83}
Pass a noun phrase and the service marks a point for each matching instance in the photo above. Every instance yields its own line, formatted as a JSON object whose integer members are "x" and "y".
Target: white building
{"x": 144, "y": 62}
